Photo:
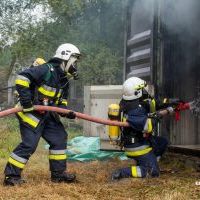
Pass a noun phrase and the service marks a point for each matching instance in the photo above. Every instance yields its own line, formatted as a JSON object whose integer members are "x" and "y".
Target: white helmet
{"x": 132, "y": 88}
{"x": 69, "y": 54}
{"x": 65, "y": 51}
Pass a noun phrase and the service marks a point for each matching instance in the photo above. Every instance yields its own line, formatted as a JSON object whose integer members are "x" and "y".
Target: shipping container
{"x": 163, "y": 47}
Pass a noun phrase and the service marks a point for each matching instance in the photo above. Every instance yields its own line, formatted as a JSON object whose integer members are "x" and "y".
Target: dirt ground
{"x": 94, "y": 182}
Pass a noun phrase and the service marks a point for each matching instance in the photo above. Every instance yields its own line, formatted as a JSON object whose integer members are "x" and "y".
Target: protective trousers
{"x": 147, "y": 164}
{"x": 53, "y": 132}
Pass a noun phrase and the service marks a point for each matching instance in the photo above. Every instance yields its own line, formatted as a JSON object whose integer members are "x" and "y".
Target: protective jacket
{"x": 44, "y": 85}
{"x": 136, "y": 115}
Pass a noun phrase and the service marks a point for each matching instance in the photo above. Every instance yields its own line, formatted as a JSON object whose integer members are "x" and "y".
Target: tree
{"x": 96, "y": 26}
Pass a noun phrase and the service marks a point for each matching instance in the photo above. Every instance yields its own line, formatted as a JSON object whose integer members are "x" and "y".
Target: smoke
{"x": 141, "y": 15}
{"x": 181, "y": 17}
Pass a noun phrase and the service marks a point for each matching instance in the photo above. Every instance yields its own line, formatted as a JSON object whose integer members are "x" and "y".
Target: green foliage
{"x": 5, "y": 57}
{"x": 74, "y": 132}
{"x": 100, "y": 66}
{"x": 95, "y": 26}
{"x": 9, "y": 135}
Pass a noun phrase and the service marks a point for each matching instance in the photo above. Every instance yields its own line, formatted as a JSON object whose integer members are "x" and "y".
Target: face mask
{"x": 70, "y": 67}
{"x": 70, "y": 64}
{"x": 73, "y": 71}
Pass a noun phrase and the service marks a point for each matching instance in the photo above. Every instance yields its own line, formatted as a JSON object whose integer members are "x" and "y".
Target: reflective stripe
{"x": 124, "y": 119}
{"x": 58, "y": 157}
{"x": 56, "y": 102}
{"x": 139, "y": 173}
{"x": 136, "y": 148}
{"x": 29, "y": 118}
{"x": 165, "y": 100}
{"x": 28, "y": 109}
{"x": 16, "y": 163}
{"x": 148, "y": 126}
{"x": 21, "y": 80}
{"x": 138, "y": 153}
{"x": 57, "y": 151}
{"x": 17, "y": 158}
{"x": 49, "y": 91}
{"x": 64, "y": 102}
{"x": 136, "y": 171}
{"x": 153, "y": 105}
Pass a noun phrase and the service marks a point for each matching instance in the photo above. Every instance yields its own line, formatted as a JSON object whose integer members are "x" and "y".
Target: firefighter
{"x": 44, "y": 85}
{"x": 136, "y": 139}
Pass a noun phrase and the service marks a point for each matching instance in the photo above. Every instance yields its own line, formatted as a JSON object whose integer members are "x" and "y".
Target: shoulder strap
{"x": 49, "y": 73}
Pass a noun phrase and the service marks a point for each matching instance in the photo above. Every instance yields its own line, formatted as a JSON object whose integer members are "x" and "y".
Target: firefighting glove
{"x": 173, "y": 102}
{"x": 155, "y": 116}
{"x": 71, "y": 115}
{"x": 170, "y": 109}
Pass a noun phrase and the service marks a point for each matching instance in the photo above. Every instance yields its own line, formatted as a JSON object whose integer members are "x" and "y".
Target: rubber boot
{"x": 121, "y": 173}
{"x": 12, "y": 181}
{"x": 58, "y": 177}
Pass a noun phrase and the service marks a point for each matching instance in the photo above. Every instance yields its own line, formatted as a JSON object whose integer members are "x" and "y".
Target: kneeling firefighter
{"x": 136, "y": 140}
{"x": 44, "y": 85}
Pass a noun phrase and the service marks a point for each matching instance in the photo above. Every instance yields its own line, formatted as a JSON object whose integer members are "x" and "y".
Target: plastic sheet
{"x": 88, "y": 148}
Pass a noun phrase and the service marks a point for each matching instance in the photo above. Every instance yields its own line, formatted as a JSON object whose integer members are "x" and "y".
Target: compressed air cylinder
{"x": 113, "y": 114}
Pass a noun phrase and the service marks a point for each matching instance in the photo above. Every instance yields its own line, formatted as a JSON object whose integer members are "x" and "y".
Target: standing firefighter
{"x": 137, "y": 139}
{"x": 44, "y": 85}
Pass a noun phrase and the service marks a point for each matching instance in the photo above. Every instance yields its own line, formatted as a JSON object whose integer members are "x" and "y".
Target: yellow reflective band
{"x": 134, "y": 171}
{"x": 165, "y": 100}
{"x": 139, "y": 152}
{"x": 16, "y": 163}
{"x": 58, "y": 157}
{"x": 48, "y": 93}
{"x": 64, "y": 102}
{"x": 28, "y": 119}
{"x": 22, "y": 82}
{"x": 28, "y": 109}
{"x": 150, "y": 127}
{"x": 153, "y": 105}
{"x": 124, "y": 119}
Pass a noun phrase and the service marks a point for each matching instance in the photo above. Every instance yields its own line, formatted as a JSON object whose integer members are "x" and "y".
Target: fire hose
{"x": 194, "y": 106}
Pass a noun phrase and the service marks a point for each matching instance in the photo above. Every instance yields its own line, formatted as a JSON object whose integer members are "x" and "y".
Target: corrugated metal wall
{"x": 181, "y": 63}
{"x": 139, "y": 39}
{"x": 163, "y": 46}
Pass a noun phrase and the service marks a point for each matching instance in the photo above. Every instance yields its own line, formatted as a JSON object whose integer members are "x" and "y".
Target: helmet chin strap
{"x": 65, "y": 65}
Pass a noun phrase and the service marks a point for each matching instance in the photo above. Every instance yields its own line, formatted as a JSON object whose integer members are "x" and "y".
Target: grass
{"x": 175, "y": 183}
